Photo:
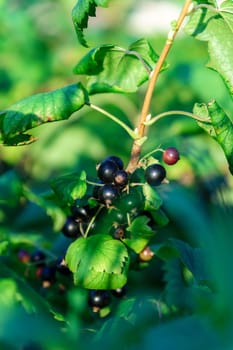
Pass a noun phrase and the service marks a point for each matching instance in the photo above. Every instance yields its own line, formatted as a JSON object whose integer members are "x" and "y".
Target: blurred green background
{"x": 38, "y": 50}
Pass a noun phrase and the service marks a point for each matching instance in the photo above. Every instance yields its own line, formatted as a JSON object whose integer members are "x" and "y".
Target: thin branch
{"x": 170, "y": 113}
{"x": 115, "y": 119}
{"x": 136, "y": 148}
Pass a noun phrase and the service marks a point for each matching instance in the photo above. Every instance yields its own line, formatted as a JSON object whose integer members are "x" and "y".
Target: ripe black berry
{"x": 121, "y": 178}
{"x": 48, "y": 274}
{"x": 38, "y": 258}
{"x": 98, "y": 298}
{"x": 107, "y": 194}
{"x": 106, "y": 171}
{"x": 71, "y": 228}
{"x": 79, "y": 213}
{"x": 171, "y": 156}
{"x": 116, "y": 160}
{"x": 119, "y": 232}
{"x": 119, "y": 292}
{"x": 155, "y": 174}
{"x": 62, "y": 268}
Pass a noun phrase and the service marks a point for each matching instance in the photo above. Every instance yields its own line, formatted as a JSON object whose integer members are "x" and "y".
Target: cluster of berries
{"x": 98, "y": 299}
{"x": 46, "y": 273}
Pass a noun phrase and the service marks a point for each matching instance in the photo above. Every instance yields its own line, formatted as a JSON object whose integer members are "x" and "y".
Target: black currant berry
{"x": 98, "y": 298}
{"x": 130, "y": 202}
{"x": 116, "y": 160}
{"x": 48, "y": 274}
{"x": 155, "y": 174}
{"x": 146, "y": 254}
{"x": 38, "y": 258}
{"x": 107, "y": 170}
{"x": 71, "y": 228}
{"x": 107, "y": 194}
{"x": 171, "y": 156}
{"x": 119, "y": 292}
{"x": 80, "y": 213}
{"x": 62, "y": 268}
{"x": 119, "y": 232}
{"x": 121, "y": 178}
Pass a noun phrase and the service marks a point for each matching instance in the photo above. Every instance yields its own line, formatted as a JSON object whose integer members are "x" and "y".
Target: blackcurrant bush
{"x": 171, "y": 156}
{"x": 146, "y": 254}
{"x": 79, "y": 213}
{"x": 106, "y": 171}
{"x": 155, "y": 174}
{"x": 38, "y": 258}
{"x": 98, "y": 298}
{"x": 107, "y": 194}
{"x": 121, "y": 178}
{"x": 116, "y": 160}
{"x": 119, "y": 292}
{"x": 48, "y": 274}
{"x": 71, "y": 228}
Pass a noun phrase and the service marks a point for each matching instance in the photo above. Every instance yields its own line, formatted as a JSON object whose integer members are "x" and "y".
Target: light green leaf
{"x": 152, "y": 199}
{"x": 81, "y": 13}
{"x": 215, "y": 25}
{"x": 4, "y": 247}
{"x": 220, "y": 128}
{"x": 70, "y": 187}
{"x": 98, "y": 261}
{"x": 140, "y": 234}
{"x": 114, "y": 69}
{"x": 38, "y": 109}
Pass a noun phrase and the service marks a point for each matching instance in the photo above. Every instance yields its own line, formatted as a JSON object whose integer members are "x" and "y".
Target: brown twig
{"x": 136, "y": 148}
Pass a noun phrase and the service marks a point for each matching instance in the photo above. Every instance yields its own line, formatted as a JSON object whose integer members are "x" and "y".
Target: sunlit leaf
{"x": 38, "y": 109}
{"x": 98, "y": 262}
{"x": 220, "y": 128}
{"x": 114, "y": 69}
{"x": 81, "y": 13}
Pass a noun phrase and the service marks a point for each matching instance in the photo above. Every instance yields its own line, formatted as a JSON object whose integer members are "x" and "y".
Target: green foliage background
{"x": 39, "y": 50}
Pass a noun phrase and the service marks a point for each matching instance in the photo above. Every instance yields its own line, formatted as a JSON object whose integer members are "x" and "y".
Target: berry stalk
{"x": 136, "y": 148}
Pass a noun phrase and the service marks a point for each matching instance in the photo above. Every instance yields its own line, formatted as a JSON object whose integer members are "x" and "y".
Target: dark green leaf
{"x": 220, "y": 128}
{"x": 159, "y": 217}
{"x": 115, "y": 69}
{"x": 98, "y": 262}
{"x": 165, "y": 251}
{"x": 139, "y": 234}
{"x": 81, "y": 13}
{"x": 152, "y": 199}
{"x": 192, "y": 258}
{"x": 215, "y": 25}
{"x": 70, "y": 187}
{"x": 10, "y": 188}
{"x": 38, "y": 109}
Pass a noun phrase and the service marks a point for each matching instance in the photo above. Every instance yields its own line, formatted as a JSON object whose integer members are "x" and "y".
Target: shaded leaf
{"x": 220, "y": 128}
{"x": 81, "y": 13}
{"x": 114, "y": 69}
{"x": 38, "y": 109}
{"x": 216, "y": 27}
{"x": 70, "y": 187}
{"x": 98, "y": 262}
{"x": 192, "y": 258}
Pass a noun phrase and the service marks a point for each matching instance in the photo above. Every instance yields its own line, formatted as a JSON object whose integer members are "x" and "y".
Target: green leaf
{"x": 4, "y": 247}
{"x": 159, "y": 217}
{"x": 38, "y": 109}
{"x": 10, "y": 188}
{"x": 98, "y": 262}
{"x": 70, "y": 187}
{"x": 152, "y": 199}
{"x": 192, "y": 258}
{"x": 140, "y": 234}
{"x": 215, "y": 25}
{"x": 220, "y": 128}
{"x": 114, "y": 69}
{"x": 81, "y": 13}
